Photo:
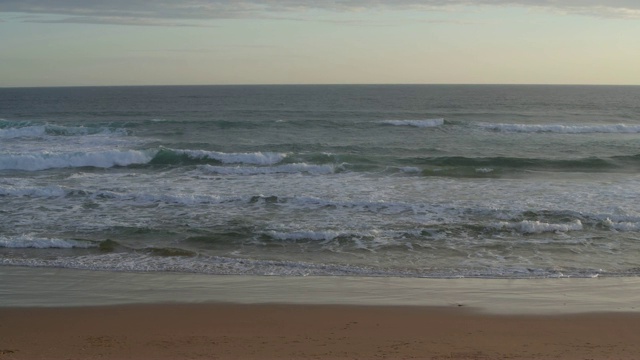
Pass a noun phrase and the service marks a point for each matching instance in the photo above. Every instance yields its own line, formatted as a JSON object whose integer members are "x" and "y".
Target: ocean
{"x": 437, "y": 181}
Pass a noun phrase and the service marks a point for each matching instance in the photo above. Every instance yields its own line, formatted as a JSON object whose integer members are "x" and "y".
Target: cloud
{"x": 175, "y": 13}
{"x": 117, "y": 20}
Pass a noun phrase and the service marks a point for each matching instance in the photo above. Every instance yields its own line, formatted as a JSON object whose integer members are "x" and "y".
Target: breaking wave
{"x": 99, "y": 159}
{"x": 28, "y": 241}
{"x": 538, "y": 227}
{"x": 171, "y": 156}
{"x": 114, "y": 158}
{"x": 563, "y": 129}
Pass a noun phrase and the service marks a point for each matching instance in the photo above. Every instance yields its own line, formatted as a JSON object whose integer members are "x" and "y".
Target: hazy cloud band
{"x": 150, "y": 12}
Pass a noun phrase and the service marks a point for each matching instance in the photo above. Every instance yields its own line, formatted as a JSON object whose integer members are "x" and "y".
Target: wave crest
{"x": 538, "y": 227}
{"x": 29, "y": 131}
{"x": 9, "y": 130}
{"x": 29, "y": 241}
{"x": 417, "y": 123}
{"x": 300, "y": 168}
{"x": 563, "y": 129}
{"x": 256, "y": 158}
{"x": 99, "y": 159}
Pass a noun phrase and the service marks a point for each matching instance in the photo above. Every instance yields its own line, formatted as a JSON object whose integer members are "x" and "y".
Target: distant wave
{"x": 417, "y": 123}
{"x": 487, "y": 165}
{"x": 563, "y": 129}
{"x": 281, "y": 169}
{"x": 12, "y": 130}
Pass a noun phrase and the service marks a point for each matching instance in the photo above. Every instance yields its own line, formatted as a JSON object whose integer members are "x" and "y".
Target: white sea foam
{"x": 417, "y": 123}
{"x": 538, "y": 227}
{"x": 622, "y": 226}
{"x": 366, "y": 206}
{"x": 410, "y": 169}
{"x": 281, "y": 169}
{"x": 181, "y": 199}
{"x": 369, "y": 240}
{"x": 29, "y": 241}
{"x": 484, "y": 170}
{"x": 563, "y": 129}
{"x": 82, "y": 130}
{"x": 51, "y": 160}
{"x": 201, "y": 264}
{"x": 28, "y": 131}
{"x": 216, "y": 265}
{"x": 256, "y": 158}
{"x": 145, "y": 198}
{"x": 134, "y": 197}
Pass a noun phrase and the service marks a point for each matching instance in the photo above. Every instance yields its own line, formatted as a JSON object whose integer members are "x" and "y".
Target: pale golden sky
{"x": 143, "y": 42}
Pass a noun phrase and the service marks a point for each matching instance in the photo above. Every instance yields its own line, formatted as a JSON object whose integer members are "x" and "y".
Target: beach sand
{"x": 74, "y": 314}
{"x": 268, "y": 331}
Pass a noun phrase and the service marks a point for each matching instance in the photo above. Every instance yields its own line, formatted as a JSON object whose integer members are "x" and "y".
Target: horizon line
{"x": 315, "y": 84}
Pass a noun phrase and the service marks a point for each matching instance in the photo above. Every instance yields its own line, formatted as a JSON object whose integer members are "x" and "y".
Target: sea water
{"x": 358, "y": 180}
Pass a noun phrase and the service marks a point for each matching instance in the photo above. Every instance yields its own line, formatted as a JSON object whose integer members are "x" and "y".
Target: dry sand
{"x": 264, "y": 331}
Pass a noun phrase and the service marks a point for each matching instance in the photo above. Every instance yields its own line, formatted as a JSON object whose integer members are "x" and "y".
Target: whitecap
{"x": 484, "y": 170}
{"x": 410, "y": 169}
{"x": 51, "y": 160}
{"x": 417, "y": 123}
{"x": 562, "y": 129}
{"x": 621, "y": 226}
{"x": 256, "y": 158}
{"x": 22, "y": 132}
{"x": 538, "y": 227}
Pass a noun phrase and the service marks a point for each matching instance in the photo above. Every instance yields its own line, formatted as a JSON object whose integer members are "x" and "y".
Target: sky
{"x": 169, "y": 42}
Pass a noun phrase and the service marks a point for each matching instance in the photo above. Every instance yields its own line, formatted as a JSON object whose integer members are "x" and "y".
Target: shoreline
{"x": 73, "y": 314}
{"x": 278, "y": 331}
{"x": 55, "y": 287}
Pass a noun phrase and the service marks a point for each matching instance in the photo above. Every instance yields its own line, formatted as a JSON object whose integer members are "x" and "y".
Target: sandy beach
{"x": 233, "y": 331}
{"x": 72, "y": 314}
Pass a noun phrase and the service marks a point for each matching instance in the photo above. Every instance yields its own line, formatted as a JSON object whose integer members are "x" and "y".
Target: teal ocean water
{"x": 391, "y": 180}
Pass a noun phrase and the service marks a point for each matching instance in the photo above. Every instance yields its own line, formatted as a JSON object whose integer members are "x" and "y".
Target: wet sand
{"x": 51, "y": 287}
{"x": 268, "y": 331}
